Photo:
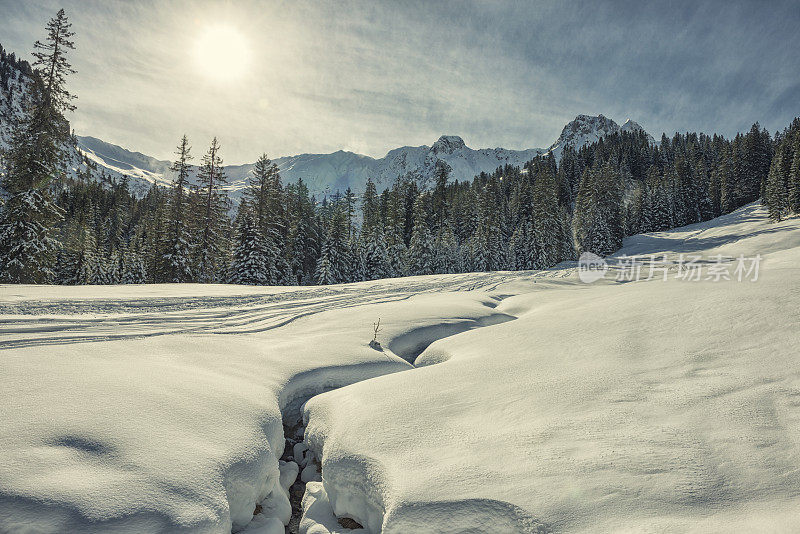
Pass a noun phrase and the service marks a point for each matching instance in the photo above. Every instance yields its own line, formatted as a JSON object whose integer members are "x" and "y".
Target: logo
{"x": 591, "y": 267}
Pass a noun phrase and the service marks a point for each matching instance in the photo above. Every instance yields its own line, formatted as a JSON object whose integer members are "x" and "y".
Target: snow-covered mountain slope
{"x": 124, "y": 162}
{"x": 539, "y": 403}
{"x": 15, "y": 78}
{"x": 327, "y": 173}
{"x": 12, "y": 93}
{"x": 586, "y": 129}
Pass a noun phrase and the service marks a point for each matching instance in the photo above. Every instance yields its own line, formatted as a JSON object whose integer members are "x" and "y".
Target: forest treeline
{"x": 89, "y": 229}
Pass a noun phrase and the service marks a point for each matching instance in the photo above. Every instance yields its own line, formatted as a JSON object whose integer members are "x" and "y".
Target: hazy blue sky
{"x": 369, "y": 76}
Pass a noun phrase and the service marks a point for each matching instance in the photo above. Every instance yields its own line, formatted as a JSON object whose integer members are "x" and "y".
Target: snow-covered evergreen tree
{"x": 253, "y": 260}
{"x": 420, "y": 255}
{"x": 776, "y": 194}
{"x": 325, "y": 273}
{"x": 266, "y": 196}
{"x": 135, "y": 271}
{"x": 212, "y": 217}
{"x": 33, "y": 161}
{"x": 546, "y": 231}
{"x": 177, "y": 253}
{"x": 793, "y": 177}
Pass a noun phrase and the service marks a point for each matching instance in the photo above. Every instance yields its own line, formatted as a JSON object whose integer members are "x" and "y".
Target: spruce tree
{"x": 546, "y": 221}
{"x": 266, "y": 196}
{"x": 776, "y": 196}
{"x": 34, "y": 160}
{"x": 176, "y": 248}
{"x": 325, "y": 271}
{"x": 441, "y": 175}
{"x": 213, "y": 216}
{"x": 303, "y": 234}
{"x": 253, "y": 263}
{"x": 374, "y": 250}
{"x": 135, "y": 271}
{"x": 420, "y": 255}
{"x": 794, "y": 178}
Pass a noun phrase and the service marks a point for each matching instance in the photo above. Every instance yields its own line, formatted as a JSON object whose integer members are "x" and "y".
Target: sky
{"x": 290, "y": 77}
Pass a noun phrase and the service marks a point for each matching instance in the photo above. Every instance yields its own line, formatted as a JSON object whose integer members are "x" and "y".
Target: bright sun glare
{"x": 222, "y": 53}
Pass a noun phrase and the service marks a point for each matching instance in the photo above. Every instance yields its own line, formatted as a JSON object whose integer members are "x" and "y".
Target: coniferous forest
{"x": 63, "y": 228}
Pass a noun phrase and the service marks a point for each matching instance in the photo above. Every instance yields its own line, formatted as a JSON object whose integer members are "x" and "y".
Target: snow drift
{"x": 538, "y": 403}
{"x": 644, "y": 406}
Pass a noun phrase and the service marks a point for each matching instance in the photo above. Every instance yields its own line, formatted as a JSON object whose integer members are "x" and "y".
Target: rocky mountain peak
{"x": 447, "y": 144}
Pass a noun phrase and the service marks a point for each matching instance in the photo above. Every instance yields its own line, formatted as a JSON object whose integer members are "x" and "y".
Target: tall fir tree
{"x": 253, "y": 262}
{"x": 34, "y": 160}
{"x": 420, "y": 254}
{"x": 213, "y": 218}
{"x": 177, "y": 253}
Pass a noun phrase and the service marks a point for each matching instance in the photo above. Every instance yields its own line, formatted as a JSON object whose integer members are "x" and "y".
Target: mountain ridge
{"x": 323, "y": 173}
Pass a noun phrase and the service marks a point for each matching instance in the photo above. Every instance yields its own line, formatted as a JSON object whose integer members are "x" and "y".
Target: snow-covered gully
{"x": 301, "y": 502}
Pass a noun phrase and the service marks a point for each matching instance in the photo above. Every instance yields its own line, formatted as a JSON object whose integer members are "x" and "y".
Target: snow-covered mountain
{"x": 586, "y": 129}
{"x": 326, "y": 173}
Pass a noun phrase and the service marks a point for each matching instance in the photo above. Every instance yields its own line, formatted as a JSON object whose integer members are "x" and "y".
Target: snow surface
{"x": 159, "y": 408}
{"x": 539, "y": 403}
{"x": 643, "y": 406}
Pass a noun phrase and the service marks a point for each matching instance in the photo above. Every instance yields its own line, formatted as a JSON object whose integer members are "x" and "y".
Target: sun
{"x": 222, "y": 54}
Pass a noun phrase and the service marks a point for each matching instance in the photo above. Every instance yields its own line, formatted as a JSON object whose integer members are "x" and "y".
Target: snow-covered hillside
{"x": 538, "y": 402}
{"x": 14, "y": 95}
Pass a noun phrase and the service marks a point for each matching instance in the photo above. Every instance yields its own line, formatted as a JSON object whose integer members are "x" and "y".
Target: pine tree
{"x": 325, "y": 273}
{"x": 265, "y": 194}
{"x": 730, "y": 171}
{"x": 176, "y": 248}
{"x": 253, "y": 262}
{"x": 135, "y": 271}
{"x": 303, "y": 234}
{"x": 395, "y": 226}
{"x": 374, "y": 251}
{"x": 776, "y": 196}
{"x": 546, "y": 221}
{"x": 213, "y": 218}
{"x": 420, "y": 256}
{"x": 441, "y": 175}
{"x": 34, "y": 160}
{"x": 794, "y": 178}
{"x": 447, "y": 256}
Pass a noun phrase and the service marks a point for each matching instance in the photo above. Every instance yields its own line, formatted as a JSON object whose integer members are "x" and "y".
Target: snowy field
{"x": 538, "y": 403}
